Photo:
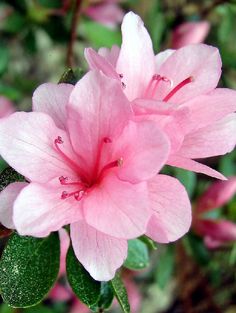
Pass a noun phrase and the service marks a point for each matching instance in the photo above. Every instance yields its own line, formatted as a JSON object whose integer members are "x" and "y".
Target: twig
{"x": 74, "y": 23}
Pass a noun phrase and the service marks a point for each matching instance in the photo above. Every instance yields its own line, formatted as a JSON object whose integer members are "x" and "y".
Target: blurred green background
{"x": 181, "y": 277}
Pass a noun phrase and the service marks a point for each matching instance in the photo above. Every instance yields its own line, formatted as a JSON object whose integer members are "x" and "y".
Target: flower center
{"x": 83, "y": 184}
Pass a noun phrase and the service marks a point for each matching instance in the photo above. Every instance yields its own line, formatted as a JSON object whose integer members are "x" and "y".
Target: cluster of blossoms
{"x": 91, "y": 153}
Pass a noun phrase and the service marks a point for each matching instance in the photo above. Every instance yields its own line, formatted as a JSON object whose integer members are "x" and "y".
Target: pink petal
{"x": 39, "y": 210}
{"x": 211, "y": 243}
{"x": 161, "y": 57}
{"x": 171, "y": 208}
{"x": 6, "y": 107}
{"x": 136, "y": 60}
{"x": 134, "y": 295}
{"x": 118, "y": 208}
{"x": 98, "y": 62}
{"x": 107, "y": 14}
{"x": 194, "y": 166}
{"x": 100, "y": 254}
{"x": 64, "y": 245}
{"x": 52, "y": 99}
{"x": 170, "y": 120}
{"x": 216, "y": 195}
{"x": 27, "y": 144}
{"x": 216, "y": 139}
{"x": 220, "y": 230}
{"x": 104, "y": 115}
{"x": 111, "y": 55}
{"x": 207, "y": 109}
{"x": 7, "y": 198}
{"x": 200, "y": 62}
{"x": 144, "y": 150}
{"x": 190, "y": 33}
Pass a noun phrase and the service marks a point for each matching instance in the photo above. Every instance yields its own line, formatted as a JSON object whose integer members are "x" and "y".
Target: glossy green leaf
{"x": 120, "y": 293}
{"x": 137, "y": 255}
{"x": 71, "y": 76}
{"x": 84, "y": 286}
{"x": 8, "y": 176}
{"x": 28, "y": 269}
{"x": 149, "y": 242}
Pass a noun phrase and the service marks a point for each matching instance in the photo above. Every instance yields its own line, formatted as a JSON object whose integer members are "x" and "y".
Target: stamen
{"x": 153, "y": 84}
{"x": 58, "y": 141}
{"x": 177, "y": 88}
{"x": 64, "y": 195}
{"x": 116, "y": 163}
{"x": 78, "y": 195}
{"x": 107, "y": 140}
{"x": 63, "y": 180}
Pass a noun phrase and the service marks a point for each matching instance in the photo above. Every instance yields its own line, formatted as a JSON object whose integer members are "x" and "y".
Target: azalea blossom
{"x": 189, "y": 33}
{"x": 216, "y": 232}
{"x": 177, "y": 90}
{"x": 106, "y": 12}
{"x": 90, "y": 164}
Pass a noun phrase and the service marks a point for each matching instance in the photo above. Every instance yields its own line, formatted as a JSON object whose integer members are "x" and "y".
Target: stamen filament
{"x": 177, "y": 88}
{"x": 58, "y": 141}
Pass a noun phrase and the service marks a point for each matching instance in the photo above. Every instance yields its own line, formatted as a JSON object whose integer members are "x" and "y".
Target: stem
{"x": 75, "y": 19}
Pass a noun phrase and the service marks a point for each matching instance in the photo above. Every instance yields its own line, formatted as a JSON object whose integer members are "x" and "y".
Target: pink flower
{"x": 106, "y": 12}
{"x": 177, "y": 90}
{"x": 189, "y": 33}
{"x": 91, "y": 165}
{"x": 6, "y": 107}
{"x": 216, "y": 232}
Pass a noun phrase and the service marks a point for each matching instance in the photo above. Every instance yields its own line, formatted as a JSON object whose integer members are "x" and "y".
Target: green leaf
{"x": 138, "y": 258}
{"x": 165, "y": 267}
{"x": 84, "y": 286}
{"x": 4, "y": 58}
{"x": 68, "y": 77}
{"x": 120, "y": 293}
{"x": 28, "y": 269}
{"x": 39, "y": 309}
{"x": 71, "y": 77}
{"x": 187, "y": 178}
{"x": 106, "y": 296}
{"x": 8, "y": 176}
{"x": 100, "y": 35}
{"x": 149, "y": 242}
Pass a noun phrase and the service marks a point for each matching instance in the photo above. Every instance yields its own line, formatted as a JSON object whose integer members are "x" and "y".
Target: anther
{"x": 121, "y": 75}
{"x": 107, "y": 140}
{"x": 63, "y": 180}
{"x": 64, "y": 195}
{"x": 79, "y": 195}
{"x": 123, "y": 85}
{"x": 58, "y": 140}
{"x": 120, "y": 162}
